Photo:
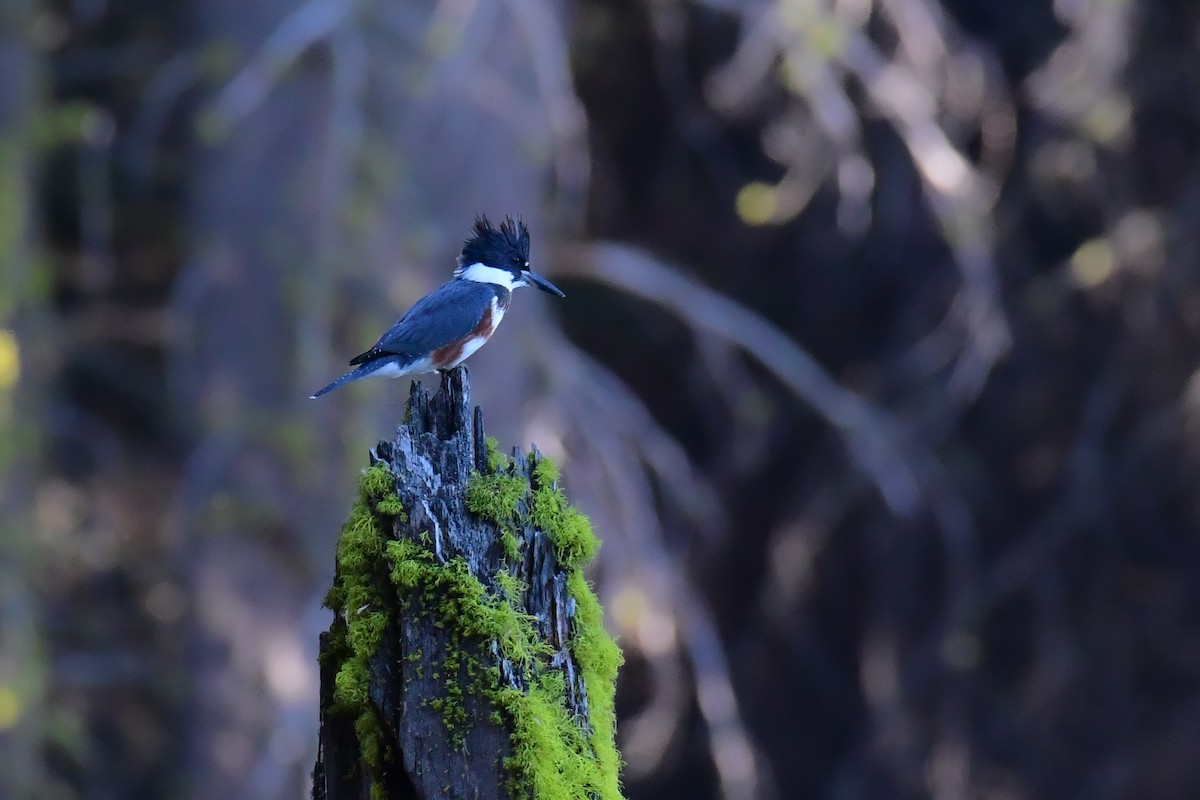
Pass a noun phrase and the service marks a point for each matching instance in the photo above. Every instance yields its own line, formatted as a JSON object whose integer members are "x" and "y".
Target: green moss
{"x": 599, "y": 658}
{"x": 354, "y": 598}
{"x": 545, "y": 471}
{"x": 568, "y": 530}
{"x": 497, "y": 461}
{"x": 389, "y": 506}
{"x": 364, "y": 635}
{"x": 370, "y": 740}
{"x": 351, "y": 685}
{"x": 511, "y": 546}
{"x": 471, "y": 615}
{"x": 593, "y": 648}
{"x": 512, "y": 587}
{"x": 494, "y": 497}
{"x": 463, "y": 604}
{"x": 553, "y": 756}
{"x": 377, "y": 483}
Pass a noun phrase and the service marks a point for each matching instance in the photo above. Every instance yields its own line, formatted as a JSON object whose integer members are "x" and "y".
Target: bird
{"x": 449, "y": 324}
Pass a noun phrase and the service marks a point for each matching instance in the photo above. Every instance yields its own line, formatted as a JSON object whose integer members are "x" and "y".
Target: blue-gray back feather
{"x": 445, "y": 315}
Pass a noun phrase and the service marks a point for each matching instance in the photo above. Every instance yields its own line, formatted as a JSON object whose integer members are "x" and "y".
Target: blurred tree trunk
{"x": 457, "y": 619}
{"x": 23, "y": 717}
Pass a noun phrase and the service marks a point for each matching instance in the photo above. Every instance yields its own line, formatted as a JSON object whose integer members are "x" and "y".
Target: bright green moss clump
{"x": 495, "y": 497}
{"x": 551, "y": 755}
{"x": 599, "y": 658}
{"x": 511, "y": 545}
{"x": 568, "y": 530}
{"x": 464, "y": 605}
{"x": 354, "y": 598}
{"x": 553, "y": 758}
{"x": 595, "y": 651}
{"x": 354, "y": 595}
{"x": 497, "y": 461}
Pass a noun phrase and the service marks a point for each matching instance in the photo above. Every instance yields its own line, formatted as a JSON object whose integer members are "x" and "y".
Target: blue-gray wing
{"x": 445, "y": 315}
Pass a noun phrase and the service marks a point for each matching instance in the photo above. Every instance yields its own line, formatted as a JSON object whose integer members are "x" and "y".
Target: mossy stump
{"x": 467, "y": 656}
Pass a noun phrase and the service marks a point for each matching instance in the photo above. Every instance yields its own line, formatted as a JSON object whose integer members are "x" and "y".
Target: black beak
{"x": 534, "y": 279}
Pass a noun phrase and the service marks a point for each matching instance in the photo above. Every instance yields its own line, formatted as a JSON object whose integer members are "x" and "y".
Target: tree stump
{"x": 467, "y": 657}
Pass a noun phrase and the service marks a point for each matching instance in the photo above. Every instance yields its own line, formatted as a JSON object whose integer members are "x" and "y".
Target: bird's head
{"x": 500, "y": 256}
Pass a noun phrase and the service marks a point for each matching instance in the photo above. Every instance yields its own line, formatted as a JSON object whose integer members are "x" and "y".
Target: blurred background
{"x": 877, "y": 373}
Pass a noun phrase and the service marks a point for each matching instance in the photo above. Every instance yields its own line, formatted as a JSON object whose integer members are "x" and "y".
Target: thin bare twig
{"x": 304, "y": 27}
{"x": 934, "y": 74}
{"x": 874, "y": 439}
{"x": 734, "y": 752}
{"x": 610, "y": 399}
{"x": 648, "y": 735}
{"x": 563, "y": 110}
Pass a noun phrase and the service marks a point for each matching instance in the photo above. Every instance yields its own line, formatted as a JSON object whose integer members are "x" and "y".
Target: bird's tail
{"x": 353, "y": 375}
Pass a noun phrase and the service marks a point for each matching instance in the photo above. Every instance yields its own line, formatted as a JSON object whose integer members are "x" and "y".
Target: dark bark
{"x": 437, "y": 449}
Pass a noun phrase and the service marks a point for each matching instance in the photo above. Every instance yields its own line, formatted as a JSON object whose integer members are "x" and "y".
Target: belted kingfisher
{"x": 453, "y": 321}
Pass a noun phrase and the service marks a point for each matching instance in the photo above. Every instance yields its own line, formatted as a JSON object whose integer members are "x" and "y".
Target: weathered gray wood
{"x": 433, "y": 456}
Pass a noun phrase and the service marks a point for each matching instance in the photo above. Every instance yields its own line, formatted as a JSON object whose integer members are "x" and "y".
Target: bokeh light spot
{"x": 10, "y": 708}
{"x": 10, "y": 359}
{"x": 1107, "y": 121}
{"x": 756, "y": 203}
{"x": 628, "y": 605}
{"x": 1093, "y": 263}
